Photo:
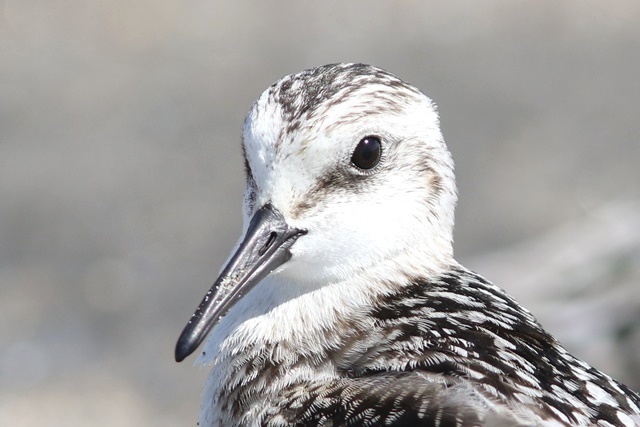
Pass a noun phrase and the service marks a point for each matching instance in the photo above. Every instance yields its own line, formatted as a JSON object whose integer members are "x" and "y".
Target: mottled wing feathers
{"x": 400, "y": 399}
{"x": 458, "y": 351}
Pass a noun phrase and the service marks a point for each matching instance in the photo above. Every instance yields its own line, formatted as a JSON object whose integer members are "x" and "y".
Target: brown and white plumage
{"x": 343, "y": 304}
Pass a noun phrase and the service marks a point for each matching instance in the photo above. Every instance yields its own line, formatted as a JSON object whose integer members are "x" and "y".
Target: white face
{"x": 316, "y": 217}
{"x": 355, "y": 218}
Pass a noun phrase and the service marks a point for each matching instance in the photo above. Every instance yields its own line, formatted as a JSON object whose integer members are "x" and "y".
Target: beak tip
{"x": 184, "y": 347}
{"x": 179, "y": 356}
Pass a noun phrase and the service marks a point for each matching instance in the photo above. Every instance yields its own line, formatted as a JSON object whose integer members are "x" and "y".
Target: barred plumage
{"x": 343, "y": 305}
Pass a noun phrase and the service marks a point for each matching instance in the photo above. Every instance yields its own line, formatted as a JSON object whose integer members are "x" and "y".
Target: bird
{"x": 342, "y": 303}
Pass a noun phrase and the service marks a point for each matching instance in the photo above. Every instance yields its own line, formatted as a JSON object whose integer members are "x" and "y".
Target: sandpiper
{"x": 343, "y": 305}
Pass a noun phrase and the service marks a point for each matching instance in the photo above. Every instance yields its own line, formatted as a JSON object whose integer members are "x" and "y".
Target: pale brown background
{"x": 121, "y": 177}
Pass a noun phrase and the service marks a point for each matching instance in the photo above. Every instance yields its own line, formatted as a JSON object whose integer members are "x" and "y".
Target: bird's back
{"x": 455, "y": 350}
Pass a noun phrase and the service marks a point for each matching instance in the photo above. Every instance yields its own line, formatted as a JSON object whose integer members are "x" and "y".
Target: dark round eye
{"x": 367, "y": 153}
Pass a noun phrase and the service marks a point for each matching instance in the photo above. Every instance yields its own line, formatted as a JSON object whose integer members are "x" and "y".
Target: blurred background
{"x": 121, "y": 173}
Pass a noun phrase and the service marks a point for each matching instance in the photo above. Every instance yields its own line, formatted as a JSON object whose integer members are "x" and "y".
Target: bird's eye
{"x": 367, "y": 153}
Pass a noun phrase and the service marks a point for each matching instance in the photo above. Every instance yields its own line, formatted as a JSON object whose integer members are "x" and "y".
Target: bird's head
{"x": 346, "y": 169}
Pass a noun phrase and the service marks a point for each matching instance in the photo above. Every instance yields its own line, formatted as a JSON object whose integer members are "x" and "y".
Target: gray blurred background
{"x": 121, "y": 173}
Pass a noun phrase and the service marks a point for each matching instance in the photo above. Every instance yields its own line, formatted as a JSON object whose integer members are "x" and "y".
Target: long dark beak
{"x": 265, "y": 247}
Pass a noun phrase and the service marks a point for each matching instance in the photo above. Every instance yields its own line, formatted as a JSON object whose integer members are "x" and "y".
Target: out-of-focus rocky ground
{"x": 121, "y": 176}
